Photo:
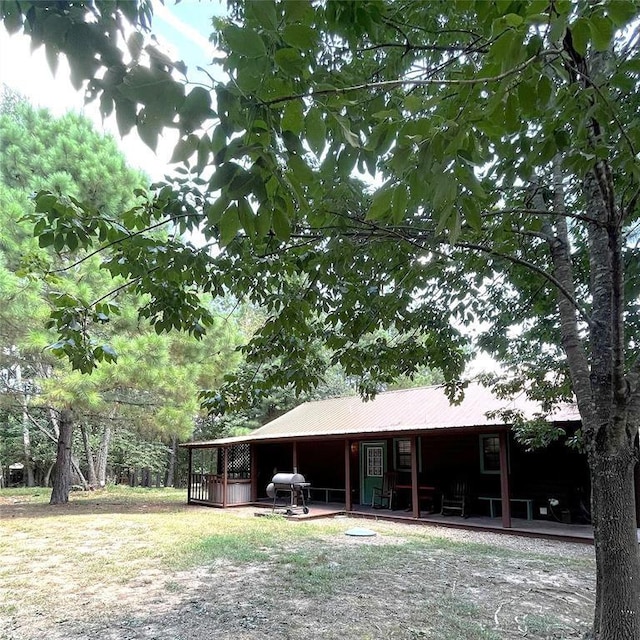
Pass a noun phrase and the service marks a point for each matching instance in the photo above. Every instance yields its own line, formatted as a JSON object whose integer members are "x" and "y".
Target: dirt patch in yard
{"x": 405, "y": 583}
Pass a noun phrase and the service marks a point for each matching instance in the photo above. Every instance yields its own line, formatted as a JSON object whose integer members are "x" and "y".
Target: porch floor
{"x": 519, "y": 526}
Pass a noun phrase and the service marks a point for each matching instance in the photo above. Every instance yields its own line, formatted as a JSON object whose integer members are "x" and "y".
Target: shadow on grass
{"x": 35, "y": 503}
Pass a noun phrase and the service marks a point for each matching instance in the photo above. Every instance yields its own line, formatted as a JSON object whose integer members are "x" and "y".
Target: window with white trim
{"x": 490, "y": 453}
{"x": 375, "y": 462}
{"x": 402, "y": 454}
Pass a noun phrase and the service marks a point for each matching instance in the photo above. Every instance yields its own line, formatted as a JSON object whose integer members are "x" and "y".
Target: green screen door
{"x": 373, "y": 464}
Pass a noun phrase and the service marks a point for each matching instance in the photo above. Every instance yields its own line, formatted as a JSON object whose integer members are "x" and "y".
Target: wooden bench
{"x": 327, "y": 493}
{"x": 493, "y": 501}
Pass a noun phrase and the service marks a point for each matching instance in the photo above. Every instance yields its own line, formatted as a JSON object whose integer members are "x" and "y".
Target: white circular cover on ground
{"x": 359, "y": 531}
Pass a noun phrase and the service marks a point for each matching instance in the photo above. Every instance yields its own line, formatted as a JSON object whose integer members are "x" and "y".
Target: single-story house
{"x": 347, "y": 449}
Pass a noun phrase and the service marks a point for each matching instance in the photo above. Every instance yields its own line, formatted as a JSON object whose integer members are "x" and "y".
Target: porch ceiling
{"x": 404, "y": 411}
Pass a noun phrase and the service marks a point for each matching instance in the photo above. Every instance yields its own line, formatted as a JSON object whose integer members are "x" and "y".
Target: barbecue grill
{"x": 292, "y": 484}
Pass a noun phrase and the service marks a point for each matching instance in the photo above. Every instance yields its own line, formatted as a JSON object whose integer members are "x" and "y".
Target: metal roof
{"x": 407, "y": 410}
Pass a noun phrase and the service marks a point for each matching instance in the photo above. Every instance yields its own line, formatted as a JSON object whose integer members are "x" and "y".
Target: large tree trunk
{"x": 606, "y": 403}
{"x": 62, "y": 472}
{"x": 91, "y": 468}
{"x": 616, "y": 544}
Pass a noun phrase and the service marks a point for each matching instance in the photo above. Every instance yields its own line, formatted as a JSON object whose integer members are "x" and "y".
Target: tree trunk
{"x": 103, "y": 455}
{"x": 616, "y": 544}
{"x": 91, "y": 468}
{"x": 26, "y": 441}
{"x": 62, "y": 472}
{"x": 171, "y": 471}
{"x": 26, "y": 436}
{"x": 77, "y": 475}
{"x": 47, "y": 475}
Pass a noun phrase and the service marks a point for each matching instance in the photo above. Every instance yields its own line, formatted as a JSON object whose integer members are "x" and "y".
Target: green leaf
{"x": 300, "y": 36}
{"x": 527, "y": 96}
{"x": 12, "y": 18}
{"x": 148, "y": 130}
{"x": 414, "y": 103}
{"x": 400, "y": 200}
{"x": 215, "y": 210}
{"x": 263, "y": 13}
{"x": 135, "y": 42}
{"x": 316, "y": 130}
{"x": 349, "y": 135}
{"x": 601, "y": 32}
{"x": 246, "y": 216}
{"x": 263, "y": 221}
{"x": 293, "y": 117}
{"x": 155, "y": 88}
{"x": 52, "y": 54}
{"x": 580, "y": 35}
{"x": 500, "y": 51}
{"x": 621, "y": 11}
{"x": 281, "y": 224}
{"x": 229, "y": 225}
{"x": 223, "y": 176}
{"x": 292, "y": 142}
{"x": 126, "y": 114}
{"x": 301, "y": 169}
{"x": 445, "y": 191}
{"x": 512, "y": 118}
{"x": 241, "y": 184}
{"x": 244, "y": 42}
{"x": 513, "y": 19}
{"x": 545, "y": 89}
{"x": 195, "y": 109}
{"x": 72, "y": 241}
{"x": 58, "y": 242}
{"x": 558, "y": 27}
{"x": 290, "y": 61}
{"x": 381, "y": 204}
{"x": 562, "y": 139}
{"x": 250, "y": 77}
{"x": 184, "y": 149}
{"x": 45, "y": 202}
{"x": 472, "y": 213}
{"x": 45, "y": 239}
{"x": 204, "y": 151}
{"x": 296, "y": 11}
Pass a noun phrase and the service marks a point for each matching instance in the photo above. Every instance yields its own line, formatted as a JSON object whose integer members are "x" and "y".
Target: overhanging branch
{"x": 388, "y": 85}
{"x": 532, "y": 267}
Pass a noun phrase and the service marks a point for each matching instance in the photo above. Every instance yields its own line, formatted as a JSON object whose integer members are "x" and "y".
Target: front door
{"x": 373, "y": 464}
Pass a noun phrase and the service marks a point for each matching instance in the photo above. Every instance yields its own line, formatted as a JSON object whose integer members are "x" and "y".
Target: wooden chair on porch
{"x": 386, "y": 493}
{"x": 455, "y": 499}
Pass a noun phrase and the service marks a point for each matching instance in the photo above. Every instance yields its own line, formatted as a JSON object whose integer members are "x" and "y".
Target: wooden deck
{"x": 520, "y": 526}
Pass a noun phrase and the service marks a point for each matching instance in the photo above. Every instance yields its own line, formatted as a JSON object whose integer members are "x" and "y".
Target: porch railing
{"x": 208, "y": 488}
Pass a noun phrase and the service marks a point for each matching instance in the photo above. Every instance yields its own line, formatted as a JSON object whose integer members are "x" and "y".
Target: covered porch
{"x": 504, "y": 483}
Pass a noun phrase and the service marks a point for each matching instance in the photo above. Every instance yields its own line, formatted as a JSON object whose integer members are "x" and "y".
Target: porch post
{"x": 254, "y": 472}
{"x": 504, "y": 480}
{"x": 415, "y": 495}
{"x": 225, "y": 464}
{"x": 347, "y": 475}
{"x": 295, "y": 457}
{"x": 189, "y": 471}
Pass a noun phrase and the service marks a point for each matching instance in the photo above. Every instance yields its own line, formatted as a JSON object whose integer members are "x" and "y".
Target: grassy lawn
{"x": 138, "y": 563}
